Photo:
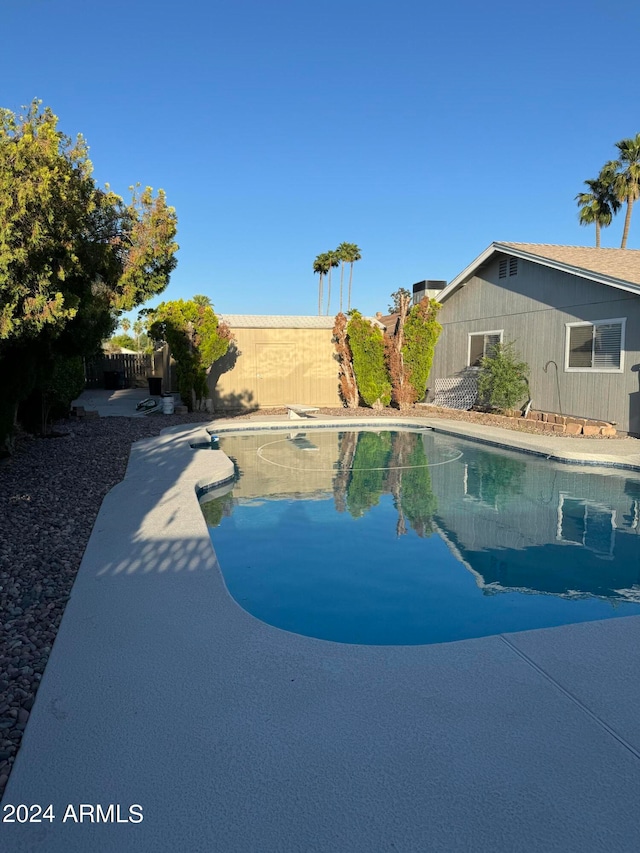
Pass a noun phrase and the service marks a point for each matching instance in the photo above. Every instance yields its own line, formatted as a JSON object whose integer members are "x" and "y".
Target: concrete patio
{"x": 120, "y": 403}
{"x": 233, "y": 735}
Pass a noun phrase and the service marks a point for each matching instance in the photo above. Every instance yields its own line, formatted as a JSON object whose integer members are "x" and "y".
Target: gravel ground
{"x": 50, "y": 494}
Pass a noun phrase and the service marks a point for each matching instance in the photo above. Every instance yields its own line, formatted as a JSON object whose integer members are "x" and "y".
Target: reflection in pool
{"x": 414, "y": 537}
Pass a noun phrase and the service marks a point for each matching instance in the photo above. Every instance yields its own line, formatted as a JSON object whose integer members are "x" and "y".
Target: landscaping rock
{"x": 50, "y": 494}
{"x": 573, "y": 429}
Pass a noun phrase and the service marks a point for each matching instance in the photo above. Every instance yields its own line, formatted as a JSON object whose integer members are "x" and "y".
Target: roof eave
{"x": 461, "y": 279}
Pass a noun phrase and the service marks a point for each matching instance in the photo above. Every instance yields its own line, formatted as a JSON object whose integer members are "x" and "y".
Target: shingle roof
{"x": 276, "y": 321}
{"x": 618, "y": 268}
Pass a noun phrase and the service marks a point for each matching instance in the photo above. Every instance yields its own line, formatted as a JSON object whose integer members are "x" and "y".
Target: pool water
{"x": 412, "y": 537}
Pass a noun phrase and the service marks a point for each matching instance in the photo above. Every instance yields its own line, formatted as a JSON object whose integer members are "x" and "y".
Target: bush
{"x": 502, "y": 382}
{"x": 421, "y": 333}
{"x": 367, "y": 345}
{"x": 53, "y": 394}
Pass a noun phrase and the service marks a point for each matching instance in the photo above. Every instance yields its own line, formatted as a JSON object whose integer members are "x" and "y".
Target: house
{"x": 574, "y": 315}
{"x": 276, "y": 360}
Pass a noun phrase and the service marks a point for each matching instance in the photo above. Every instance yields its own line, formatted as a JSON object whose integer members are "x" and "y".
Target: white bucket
{"x": 167, "y": 405}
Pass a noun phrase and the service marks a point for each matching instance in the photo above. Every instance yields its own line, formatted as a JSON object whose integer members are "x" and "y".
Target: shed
{"x": 275, "y": 360}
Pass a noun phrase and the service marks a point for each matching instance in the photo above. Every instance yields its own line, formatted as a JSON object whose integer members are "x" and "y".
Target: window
{"x": 595, "y": 346}
{"x": 477, "y": 489}
{"x": 586, "y": 523}
{"x": 481, "y": 344}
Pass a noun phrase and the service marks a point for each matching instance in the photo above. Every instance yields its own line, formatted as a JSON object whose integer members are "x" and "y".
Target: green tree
{"x": 125, "y": 325}
{"x": 342, "y": 251}
{"x": 137, "y": 331}
{"x": 53, "y": 397}
{"x": 72, "y": 255}
{"x": 368, "y": 470}
{"x": 333, "y": 260}
{"x": 402, "y": 391}
{"x": 600, "y": 203}
{"x": 367, "y": 346}
{"x": 502, "y": 381}
{"x": 196, "y": 338}
{"x": 399, "y": 297}
{"x": 123, "y": 341}
{"x": 321, "y": 266}
{"x": 421, "y": 333}
{"x": 627, "y": 182}
{"x": 350, "y": 254}
{"x": 347, "y": 380}
{"x": 410, "y": 346}
{"x": 200, "y": 299}
{"x": 409, "y": 481}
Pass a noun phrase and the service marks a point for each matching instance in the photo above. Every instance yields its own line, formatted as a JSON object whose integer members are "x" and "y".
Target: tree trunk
{"x": 350, "y": 277}
{"x": 341, "y": 279}
{"x": 627, "y": 223}
{"x": 348, "y": 444}
{"x": 329, "y": 292}
{"x": 320, "y": 296}
{"x": 397, "y": 369}
{"x": 597, "y": 234}
{"x": 348, "y": 384}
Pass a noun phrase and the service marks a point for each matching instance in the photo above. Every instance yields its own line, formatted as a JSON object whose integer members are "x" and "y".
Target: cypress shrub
{"x": 367, "y": 345}
{"x": 421, "y": 333}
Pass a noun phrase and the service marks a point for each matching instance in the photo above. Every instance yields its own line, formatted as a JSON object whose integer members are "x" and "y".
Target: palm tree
{"x": 321, "y": 265}
{"x": 333, "y": 260}
{"x": 201, "y": 300}
{"x": 342, "y": 251}
{"x": 599, "y": 205}
{"x": 137, "y": 331}
{"x": 627, "y": 184}
{"x": 351, "y": 254}
{"x": 126, "y": 325}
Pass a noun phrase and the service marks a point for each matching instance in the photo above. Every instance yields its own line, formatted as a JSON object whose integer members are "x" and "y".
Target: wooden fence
{"x": 120, "y": 370}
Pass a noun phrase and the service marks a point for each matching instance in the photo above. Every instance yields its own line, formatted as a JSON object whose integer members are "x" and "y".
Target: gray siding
{"x": 532, "y": 308}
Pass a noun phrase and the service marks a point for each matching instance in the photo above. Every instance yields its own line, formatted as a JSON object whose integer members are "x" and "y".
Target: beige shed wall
{"x": 278, "y": 366}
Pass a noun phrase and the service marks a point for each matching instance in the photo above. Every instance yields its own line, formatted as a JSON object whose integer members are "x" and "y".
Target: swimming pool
{"x": 413, "y": 537}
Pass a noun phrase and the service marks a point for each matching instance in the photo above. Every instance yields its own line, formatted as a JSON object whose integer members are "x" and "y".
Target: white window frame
{"x": 596, "y": 508}
{"x": 471, "y": 496}
{"x": 569, "y": 326}
{"x": 469, "y": 334}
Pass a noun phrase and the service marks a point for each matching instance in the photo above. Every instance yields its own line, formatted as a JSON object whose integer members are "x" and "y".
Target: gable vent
{"x": 502, "y": 268}
{"x": 513, "y": 266}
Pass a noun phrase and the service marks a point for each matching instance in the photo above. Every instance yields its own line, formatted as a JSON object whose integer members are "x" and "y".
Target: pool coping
{"x": 546, "y": 446}
{"x": 248, "y": 737}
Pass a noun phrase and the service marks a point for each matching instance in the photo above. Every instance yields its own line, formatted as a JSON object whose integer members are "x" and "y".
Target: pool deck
{"x": 237, "y": 737}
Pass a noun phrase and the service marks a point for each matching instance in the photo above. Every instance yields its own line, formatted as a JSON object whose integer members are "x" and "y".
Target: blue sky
{"x": 280, "y": 128}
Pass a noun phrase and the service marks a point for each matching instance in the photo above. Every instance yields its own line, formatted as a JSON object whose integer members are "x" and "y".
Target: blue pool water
{"x": 414, "y": 537}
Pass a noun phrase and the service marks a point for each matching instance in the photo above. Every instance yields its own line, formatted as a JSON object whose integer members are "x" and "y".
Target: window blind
{"x": 596, "y": 346}
{"x": 606, "y": 350}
